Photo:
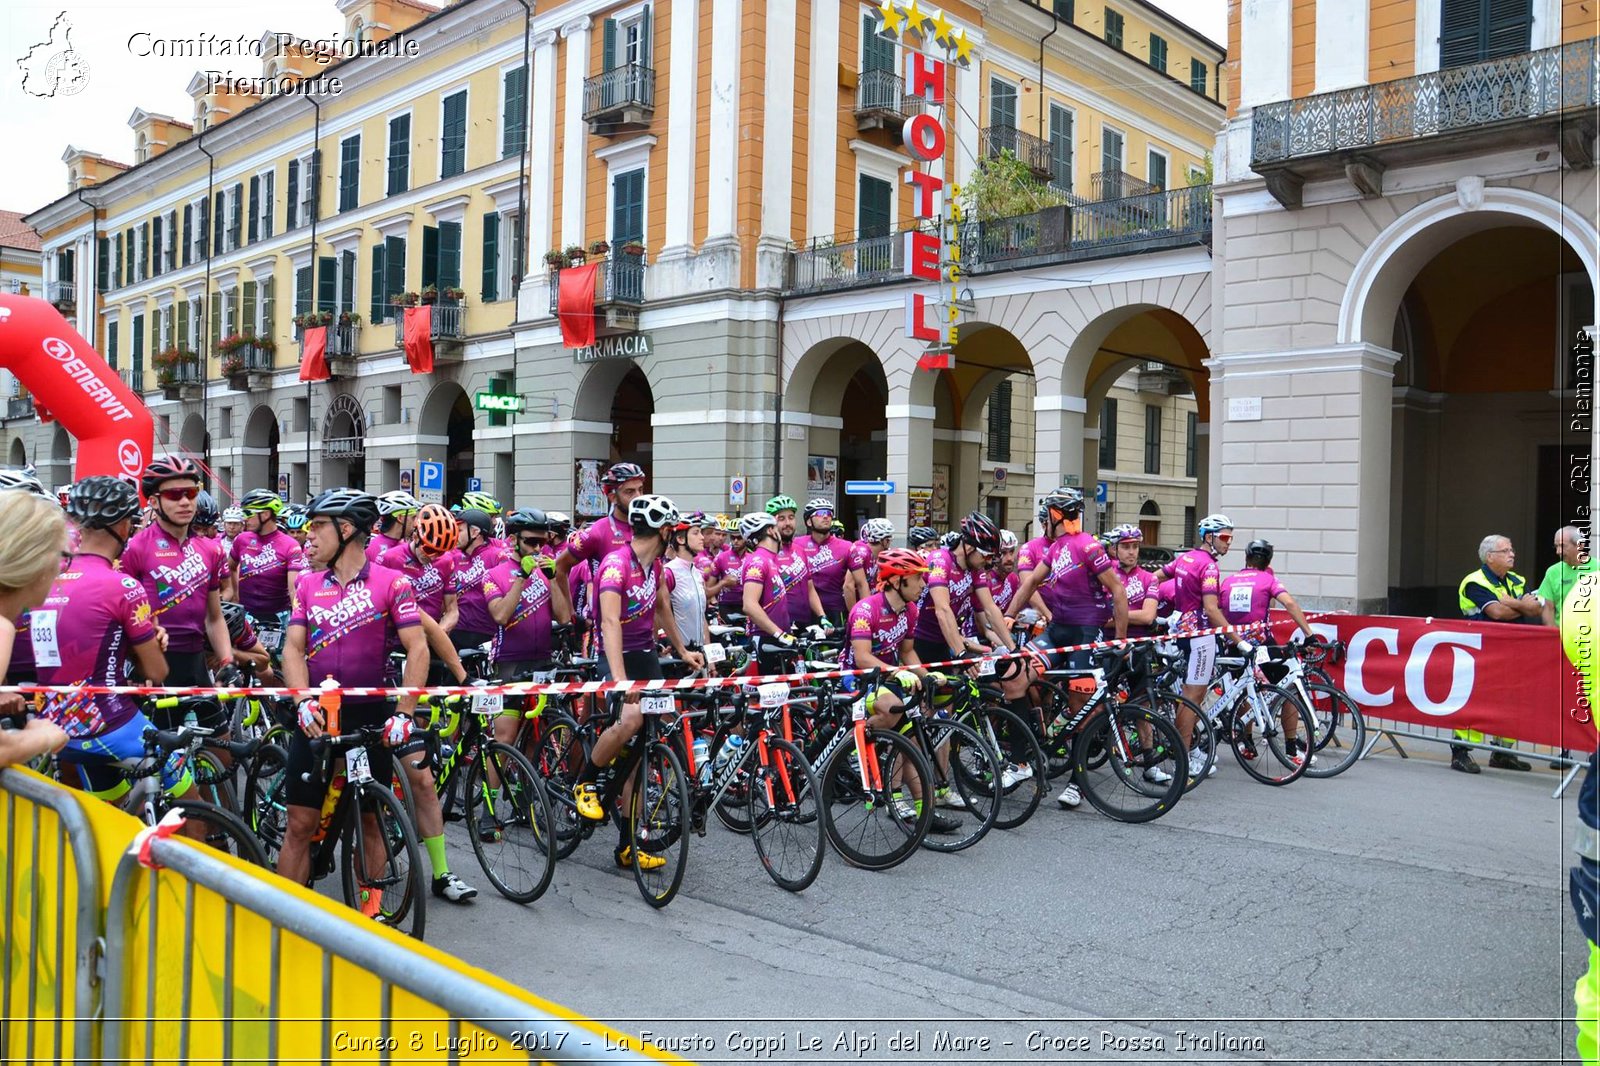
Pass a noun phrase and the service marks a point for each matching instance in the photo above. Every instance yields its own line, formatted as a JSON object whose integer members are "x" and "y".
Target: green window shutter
{"x": 627, "y": 214}
{"x": 874, "y": 207}
{"x": 302, "y": 290}
{"x": 111, "y": 344}
{"x": 1063, "y": 9}
{"x": 644, "y": 38}
{"x": 291, "y": 205}
{"x": 347, "y": 282}
{"x": 269, "y": 307}
{"x": 181, "y": 338}
{"x": 349, "y": 173}
{"x": 172, "y": 239}
{"x": 254, "y": 228}
{"x": 236, "y": 218}
{"x": 1158, "y": 171}
{"x": 395, "y": 256}
{"x": 608, "y": 45}
{"x": 453, "y": 159}
{"x": 1108, "y": 435}
{"x": 247, "y": 307}
{"x": 1002, "y": 104}
{"x": 998, "y": 447}
{"x": 1060, "y": 147}
{"x": 327, "y": 283}
{"x": 214, "y": 329}
{"x": 138, "y": 347}
{"x": 188, "y": 233}
{"x": 379, "y": 310}
{"x": 102, "y": 263}
{"x": 1509, "y": 28}
{"x": 155, "y": 248}
{"x": 449, "y": 255}
{"x": 1113, "y": 28}
{"x": 514, "y": 120}
{"x": 877, "y": 52}
{"x": 1197, "y": 76}
{"x": 314, "y": 186}
{"x": 219, "y": 223}
{"x": 267, "y": 192}
{"x": 116, "y": 275}
{"x": 399, "y": 155}
{"x": 430, "y": 256}
{"x": 491, "y": 257}
{"x": 144, "y": 250}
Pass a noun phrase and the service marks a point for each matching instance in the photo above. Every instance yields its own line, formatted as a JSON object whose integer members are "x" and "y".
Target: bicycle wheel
{"x": 559, "y": 759}
{"x": 1023, "y": 770}
{"x": 864, "y": 823}
{"x": 219, "y": 828}
{"x": 733, "y": 809}
{"x": 1341, "y": 731}
{"x": 1202, "y": 739}
{"x": 1136, "y": 740}
{"x": 974, "y": 769}
{"x": 213, "y": 781}
{"x": 379, "y": 854}
{"x": 511, "y": 827}
{"x": 658, "y": 823}
{"x": 785, "y": 816}
{"x": 1259, "y": 733}
{"x": 265, "y": 810}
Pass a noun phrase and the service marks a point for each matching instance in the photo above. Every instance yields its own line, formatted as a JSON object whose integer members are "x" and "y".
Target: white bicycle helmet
{"x": 397, "y": 502}
{"x": 1008, "y": 540}
{"x": 233, "y": 514}
{"x": 22, "y": 481}
{"x": 652, "y": 512}
{"x": 1213, "y": 523}
{"x": 1124, "y": 532}
{"x": 876, "y": 529}
{"x": 754, "y": 524}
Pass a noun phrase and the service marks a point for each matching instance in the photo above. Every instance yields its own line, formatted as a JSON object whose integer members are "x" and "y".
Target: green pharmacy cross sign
{"x": 495, "y": 401}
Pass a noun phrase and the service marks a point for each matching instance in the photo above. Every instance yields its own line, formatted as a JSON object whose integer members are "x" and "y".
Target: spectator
{"x": 33, "y": 537}
{"x": 1573, "y": 548}
{"x": 1494, "y": 593}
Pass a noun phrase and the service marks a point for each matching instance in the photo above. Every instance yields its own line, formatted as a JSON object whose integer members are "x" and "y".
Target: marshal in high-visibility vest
{"x": 1580, "y": 635}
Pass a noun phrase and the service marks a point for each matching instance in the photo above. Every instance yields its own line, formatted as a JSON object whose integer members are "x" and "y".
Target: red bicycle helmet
{"x": 899, "y": 562}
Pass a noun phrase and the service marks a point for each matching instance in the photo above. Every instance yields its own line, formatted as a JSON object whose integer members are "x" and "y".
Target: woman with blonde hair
{"x": 33, "y": 539}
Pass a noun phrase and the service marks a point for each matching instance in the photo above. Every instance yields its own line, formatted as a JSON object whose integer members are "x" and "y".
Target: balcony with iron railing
{"x": 1033, "y": 152}
{"x": 133, "y": 379}
{"x": 1533, "y": 97}
{"x": 883, "y": 103}
{"x": 447, "y": 328}
{"x": 249, "y": 365}
{"x": 1063, "y": 233}
{"x": 1118, "y": 184}
{"x": 19, "y": 407}
{"x": 344, "y": 447}
{"x": 621, "y": 99}
{"x": 63, "y": 294}
{"x": 618, "y": 293}
{"x": 180, "y": 379}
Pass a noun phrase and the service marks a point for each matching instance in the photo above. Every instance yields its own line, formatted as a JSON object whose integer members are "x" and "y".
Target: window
{"x": 219, "y": 223}
{"x": 1063, "y": 10}
{"x": 514, "y": 113}
{"x": 998, "y": 448}
{"x": 399, "y": 155}
{"x": 214, "y": 321}
{"x": 1188, "y": 525}
{"x": 627, "y": 207}
{"x": 116, "y": 276}
{"x": 1111, "y": 155}
{"x": 253, "y": 232}
{"x": 490, "y": 282}
{"x": 1113, "y": 28}
{"x": 626, "y": 42}
{"x": 441, "y": 255}
{"x": 453, "y": 139}
{"x": 1471, "y": 31}
{"x": 266, "y": 323}
{"x": 1197, "y": 76}
{"x": 111, "y": 343}
{"x": 1191, "y": 452}
{"x": 304, "y": 181}
{"x": 327, "y": 284}
{"x": 877, "y": 51}
{"x": 388, "y": 275}
{"x": 1152, "y": 439}
{"x": 291, "y": 205}
{"x": 138, "y": 347}
{"x": 172, "y": 239}
{"x": 235, "y": 216}
{"x": 1158, "y": 53}
{"x": 1108, "y": 435}
{"x": 1156, "y": 168}
{"x": 189, "y": 325}
{"x": 1002, "y": 103}
{"x": 102, "y": 264}
{"x": 144, "y": 250}
{"x": 349, "y": 172}
{"x": 1060, "y": 147}
{"x": 347, "y": 282}
{"x": 874, "y": 207}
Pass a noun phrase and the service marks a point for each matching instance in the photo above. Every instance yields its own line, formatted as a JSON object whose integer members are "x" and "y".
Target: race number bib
{"x": 986, "y": 666}
{"x": 488, "y": 704}
{"x": 272, "y": 639}
{"x": 656, "y": 705}
{"x": 46, "y": 645}
{"x": 1239, "y": 597}
{"x": 775, "y": 694}
{"x": 542, "y": 677}
{"x": 355, "y": 764}
{"x": 858, "y": 710}
{"x": 1263, "y": 655}
{"x": 715, "y": 653}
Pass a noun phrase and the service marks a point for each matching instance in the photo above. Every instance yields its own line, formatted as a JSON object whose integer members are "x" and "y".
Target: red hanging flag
{"x": 314, "y": 354}
{"x": 576, "y": 305}
{"x": 419, "y": 343}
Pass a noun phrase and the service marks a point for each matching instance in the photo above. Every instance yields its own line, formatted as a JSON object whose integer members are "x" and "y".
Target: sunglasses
{"x": 1225, "y": 538}
{"x": 174, "y": 495}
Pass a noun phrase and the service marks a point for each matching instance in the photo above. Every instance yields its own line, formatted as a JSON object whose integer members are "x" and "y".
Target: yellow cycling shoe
{"x": 647, "y": 861}
{"x": 588, "y": 800}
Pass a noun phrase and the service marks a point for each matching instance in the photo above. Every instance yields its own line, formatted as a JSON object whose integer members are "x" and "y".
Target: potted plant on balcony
{"x": 555, "y": 259}
{"x": 233, "y": 368}
{"x": 430, "y": 293}
{"x": 633, "y": 248}
{"x": 576, "y": 255}
{"x": 170, "y": 364}
{"x": 349, "y": 318}
{"x": 600, "y": 248}
{"x": 452, "y": 295}
{"x": 405, "y": 299}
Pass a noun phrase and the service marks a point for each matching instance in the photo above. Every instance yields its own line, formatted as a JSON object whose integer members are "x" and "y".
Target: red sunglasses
{"x": 174, "y": 495}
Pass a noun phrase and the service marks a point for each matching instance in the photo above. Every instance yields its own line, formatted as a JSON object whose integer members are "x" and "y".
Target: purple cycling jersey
{"x": 1072, "y": 590}
{"x": 527, "y": 635}
{"x": 579, "y": 578}
{"x": 1140, "y": 586}
{"x": 730, "y": 563}
{"x": 827, "y": 563}
{"x": 1003, "y": 587}
{"x": 863, "y": 561}
{"x": 178, "y": 577}
{"x": 622, "y": 573}
{"x": 944, "y": 573}
{"x": 350, "y": 628}
{"x": 706, "y": 567}
{"x": 471, "y": 606}
{"x": 761, "y": 568}
{"x": 379, "y": 545}
{"x": 595, "y": 543}
{"x": 873, "y": 619}
{"x": 1194, "y": 575}
{"x": 431, "y": 580}
{"x": 792, "y": 568}
{"x": 82, "y": 635}
{"x": 264, "y": 565}
{"x": 1247, "y": 596}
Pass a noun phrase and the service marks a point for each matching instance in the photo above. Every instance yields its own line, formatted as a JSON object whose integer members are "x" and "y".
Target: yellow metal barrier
{"x": 206, "y": 959}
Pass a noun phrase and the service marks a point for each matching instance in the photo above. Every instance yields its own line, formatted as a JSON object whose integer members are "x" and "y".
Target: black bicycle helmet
{"x": 358, "y": 508}
{"x": 166, "y": 468}
{"x": 234, "y": 614}
{"x": 478, "y": 520}
{"x": 1258, "y": 554}
{"x": 619, "y": 474}
{"x": 921, "y": 536}
{"x": 100, "y": 502}
{"x": 205, "y": 510}
{"x": 1068, "y": 501}
{"x": 980, "y": 532}
{"x": 529, "y": 519}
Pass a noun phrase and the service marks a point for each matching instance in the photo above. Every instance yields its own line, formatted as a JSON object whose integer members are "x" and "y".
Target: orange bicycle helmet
{"x": 899, "y": 562}
{"x": 436, "y": 529}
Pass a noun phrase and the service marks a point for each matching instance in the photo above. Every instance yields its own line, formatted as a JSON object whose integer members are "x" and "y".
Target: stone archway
{"x": 344, "y": 443}
{"x": 445, "y": 429}
{"x": 18, "y": 455}
{"x": 261, "y": 447}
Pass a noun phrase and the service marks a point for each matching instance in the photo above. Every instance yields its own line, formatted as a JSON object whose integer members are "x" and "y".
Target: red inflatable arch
{"x": 66, "y": 376}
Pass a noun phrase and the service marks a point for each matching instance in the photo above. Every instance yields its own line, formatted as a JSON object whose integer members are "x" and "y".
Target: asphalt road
{"x": 1400, "y": 912}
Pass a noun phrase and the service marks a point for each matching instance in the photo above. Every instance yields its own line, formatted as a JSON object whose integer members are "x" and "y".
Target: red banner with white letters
{"x": 1503, "y": 680}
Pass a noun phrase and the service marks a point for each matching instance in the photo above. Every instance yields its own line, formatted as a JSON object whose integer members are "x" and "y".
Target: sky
{"x": 108, "y": 35}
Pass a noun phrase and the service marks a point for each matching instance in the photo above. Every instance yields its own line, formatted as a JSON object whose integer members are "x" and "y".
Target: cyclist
{"x": 880, "y": 631}
{"x": 1029, "y": 555}
{"x": 183, "y": 576}
{"x": 827, "y": 557}
{"x": 560, "y": 528}
{"x": 922, "y": 538}
{"x": 232, "y": 526}
{"x": 32, "y": 527}
{"x": 766, "y": 610}
{"x": 395, "y": 513}
{"x": 248, "y": 654}
{"x": 1195, "y": 591}
{"x": 522, "y": 608}
{"x": 633, "y": 601}
{"x": 345, "y": 618}
{"x": 294, "y": 523}
{"x": 477, "y": 555}
{"x": 957, "y": 582}
{"x": 1004, "y": 580}
{"x": 728, "y": 588}
{"x": 876, "y": 535}
{"x": 206, "y": 516}
{"x": 1075, "y": 578}
{"x": 798, "y": 591}
{"x": 489, "y": 505}
{"x": 1247, "y": 598}
{"x": 429, "y": 560}
{"x": 687, "y": 589}
{"x": 95, "y": 627}
{"x": 266, "y": 560}
{"x": 622, "y": 483}
{"x": 705, "y": 557}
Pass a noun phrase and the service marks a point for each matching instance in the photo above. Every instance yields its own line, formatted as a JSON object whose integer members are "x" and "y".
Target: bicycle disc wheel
{"x": 265, "y": 809}
{"x": 559, "y": 759}
{"x": 218, "y": 827}
{"x": 1023, "y": 770}
{"x": 1260, "y": 745}
{"x": 786, "y": 817}
{"x": 511, "y": 827}
{"x": 1137, "y": 741}
{"x": 863, "y": 823}
{"x": 658, "y": 824}
{"x": 379, "y": 854}
{"x": 213, "y": 782}
{"x": 1341, "y": 731}
{"x": 974, "y": 769}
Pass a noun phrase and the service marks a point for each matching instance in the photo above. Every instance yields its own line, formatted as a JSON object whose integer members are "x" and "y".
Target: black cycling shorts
{"x": 1061, "y": 636}
{"x": 353, "y": 714}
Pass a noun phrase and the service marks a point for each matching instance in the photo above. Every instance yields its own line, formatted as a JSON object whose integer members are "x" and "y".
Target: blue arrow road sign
{"x": 869, "y": 488}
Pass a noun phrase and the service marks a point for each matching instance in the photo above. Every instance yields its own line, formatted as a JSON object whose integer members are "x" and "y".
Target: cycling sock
{"x": 589, "y": 774}
{"x": 435, "y": 846}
